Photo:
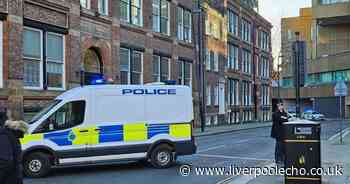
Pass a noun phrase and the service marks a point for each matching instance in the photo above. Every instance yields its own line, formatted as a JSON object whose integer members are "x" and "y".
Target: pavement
{"x": 247, "y": 146}
{"x": 230, "y": 128}
{"x": 333, "y": 154}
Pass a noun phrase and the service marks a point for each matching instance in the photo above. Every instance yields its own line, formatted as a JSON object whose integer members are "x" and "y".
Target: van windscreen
{"x": 44, "y": 111}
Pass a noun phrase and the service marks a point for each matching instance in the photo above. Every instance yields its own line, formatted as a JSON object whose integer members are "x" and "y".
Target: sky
{"x": 274, "y": 10}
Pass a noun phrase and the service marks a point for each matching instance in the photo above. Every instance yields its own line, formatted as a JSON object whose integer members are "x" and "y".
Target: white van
{"x": 95, "y": 124}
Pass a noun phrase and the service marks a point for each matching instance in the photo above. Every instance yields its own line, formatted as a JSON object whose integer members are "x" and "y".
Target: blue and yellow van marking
{"x": 114, "y": 133}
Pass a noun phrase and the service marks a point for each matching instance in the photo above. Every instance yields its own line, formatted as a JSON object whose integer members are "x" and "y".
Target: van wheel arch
{"x": 158, "y": 143}
{"x": 44, "y": 150}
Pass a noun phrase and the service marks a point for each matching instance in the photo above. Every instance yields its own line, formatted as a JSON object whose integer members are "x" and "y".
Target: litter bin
{"x": 303, "y": 152}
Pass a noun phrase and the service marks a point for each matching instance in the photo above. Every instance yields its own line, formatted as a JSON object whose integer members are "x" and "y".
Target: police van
{"x": 105, "y": 123}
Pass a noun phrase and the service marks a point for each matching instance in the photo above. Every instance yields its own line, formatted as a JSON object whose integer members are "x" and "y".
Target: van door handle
{"x": 83, "y": 131}
{"x": 98, "y": 129}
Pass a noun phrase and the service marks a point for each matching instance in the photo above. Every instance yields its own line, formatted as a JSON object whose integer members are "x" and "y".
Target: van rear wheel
{"x": 36, "y": 165}
{"x": 162, "y": 157}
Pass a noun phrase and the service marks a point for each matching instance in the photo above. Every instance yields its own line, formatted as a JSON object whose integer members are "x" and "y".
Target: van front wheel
{"x": 162, "y": 157}
{"x": 36, "y": 165}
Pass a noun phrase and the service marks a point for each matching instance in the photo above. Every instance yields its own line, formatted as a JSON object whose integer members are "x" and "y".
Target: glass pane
{"x": 136, "y": 78}
{"x": 124, "y": 77}
{"x": 32, "y": 44}
{"x": 124, "y": 10}
{"x": 164, "y": 8}
{"x": 155, "y": 6}
{"x": 136, "y": 15}
{"x": 165, "y": 69}
{"x": 124, "y": 59}
{"x": 156, "y": 65}
{"x": 164, "y": 25}
{"x": 137, "y": 62}
{"x": 55, "y": 75}
{"x": 136, "y": 3}
{"x": 54, "y": 47}
{"x": 156, "y": 23}
{"x": 31, "y": 73}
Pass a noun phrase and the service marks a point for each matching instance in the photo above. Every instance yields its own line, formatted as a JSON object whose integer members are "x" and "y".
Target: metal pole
{"x": 201, "y": 66}
{"x": 341, "y": 119}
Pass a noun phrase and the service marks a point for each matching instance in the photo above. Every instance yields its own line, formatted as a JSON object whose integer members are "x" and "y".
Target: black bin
{"x": 303, "y": 151}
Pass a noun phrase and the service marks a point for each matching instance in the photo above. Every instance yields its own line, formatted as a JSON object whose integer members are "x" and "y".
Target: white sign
{"x": 341, "y": 89}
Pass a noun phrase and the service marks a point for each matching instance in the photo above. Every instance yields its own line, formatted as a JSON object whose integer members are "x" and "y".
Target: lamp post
{"x": 201, "y": 67}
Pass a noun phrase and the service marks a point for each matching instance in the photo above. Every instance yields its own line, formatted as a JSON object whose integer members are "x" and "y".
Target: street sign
{"x": 341, "y": 89}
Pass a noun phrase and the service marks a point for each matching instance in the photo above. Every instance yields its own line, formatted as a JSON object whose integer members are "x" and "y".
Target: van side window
{"x": 67, "y": 116}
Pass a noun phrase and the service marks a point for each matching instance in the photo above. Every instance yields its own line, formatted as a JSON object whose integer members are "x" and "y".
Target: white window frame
{"x": 216, "y": 61}
{"x": 208, "y": 94}
{"x": 41, "y": 77}
{"x": 216, "y": 95}
{"x": 63, "y": 64}
{"x": 87, "y": 5}
{"x": 234, "y": 28}
{"x": 129, "y": 17}
{"x": 208, "y": 62}
{"x": 1, "y": 55}
{"x": 160, "y": 66}
{"x": 130, "y": 69}
{"x": 181, "y": 25}
{"x": 106, "y": 7}
{"x": 129, "y": 64}
{"x": 159, "y": 22}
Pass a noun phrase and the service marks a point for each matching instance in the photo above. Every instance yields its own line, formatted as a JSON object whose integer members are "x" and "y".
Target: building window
{"x": 264, "y": 41}
{"x": 1, "y": 55}
{"x": 246, "y": 30}
{"x": 265, "y": 95}
{"x": 246, "y": 89}
{"x": 131, "y": 11}
{"x": 208, "y": 94}
{"x": 215, "y": 120}
{"x": 246, "y": 61}
{"x": 232, "y": 62}
{"x": 54, "y": 60}
{"x": 131, "y": 66}
{"x": 216, "y": 95}
{"x": 184, "y": 73}
{"x": 216, "y": 62}
{"x": 264, "y": 67}
{"x": 233, "y": 23}
{"x": 103, "y": 7}
{"x": 161, "y": 68}
{"x": 233, "y": 96}
{"x": 208, "y": 121}
{"x": 161, "y": 15}
{"x": 33, "y": 57}
{"x": 85, "y": 4}
{"x": 184, "y": 25}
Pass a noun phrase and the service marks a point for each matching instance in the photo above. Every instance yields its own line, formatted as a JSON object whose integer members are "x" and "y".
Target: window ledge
{"x": 185, "y": 44}
{"x": 132, "y": 27}
{"x": 163, "y": 36}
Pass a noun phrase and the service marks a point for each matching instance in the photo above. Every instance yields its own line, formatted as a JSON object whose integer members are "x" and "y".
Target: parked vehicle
{"x": 313, "y": 115}
{"x": 104, "y": 123}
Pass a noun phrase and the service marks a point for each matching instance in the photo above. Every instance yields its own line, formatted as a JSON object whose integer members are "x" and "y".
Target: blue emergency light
{"x": 170, "y": 82}
{"x": 98, "y": 81}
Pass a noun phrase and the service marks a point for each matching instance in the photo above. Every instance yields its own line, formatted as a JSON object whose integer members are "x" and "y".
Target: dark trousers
{"x": 8, "y": 174}
{"x": 279, "y": 153}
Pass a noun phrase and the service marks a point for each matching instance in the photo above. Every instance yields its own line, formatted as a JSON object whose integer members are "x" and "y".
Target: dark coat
{"x": 10, "y": 156}
{"x": 278, "y": 118}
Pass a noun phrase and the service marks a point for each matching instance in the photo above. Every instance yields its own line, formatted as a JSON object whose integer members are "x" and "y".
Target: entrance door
{"x": 222, "y": 98}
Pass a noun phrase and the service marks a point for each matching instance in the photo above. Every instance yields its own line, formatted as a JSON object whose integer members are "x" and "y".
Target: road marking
{"x": 210, "y": 149}
{"x": 345, "y": 132}
{"x": 242, "y": 179}
{"x": 232, "y": 157}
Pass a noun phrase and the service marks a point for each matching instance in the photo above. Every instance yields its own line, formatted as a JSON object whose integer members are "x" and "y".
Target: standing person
{"x": 279, "y": 117}
{"x": 11, "y": 151}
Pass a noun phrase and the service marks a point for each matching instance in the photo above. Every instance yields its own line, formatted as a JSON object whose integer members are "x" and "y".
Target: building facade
{"x": 238, "y": 63}
{"x": 325, "y": 28}
{"x": 48, "y": 46}
{"x": 51, "y": 46}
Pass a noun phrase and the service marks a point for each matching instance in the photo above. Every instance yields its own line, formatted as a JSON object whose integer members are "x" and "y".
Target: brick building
{"x": 325, "y": 28}
{"x": 49, "y": 45}
{"x": 238, "y": 63}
